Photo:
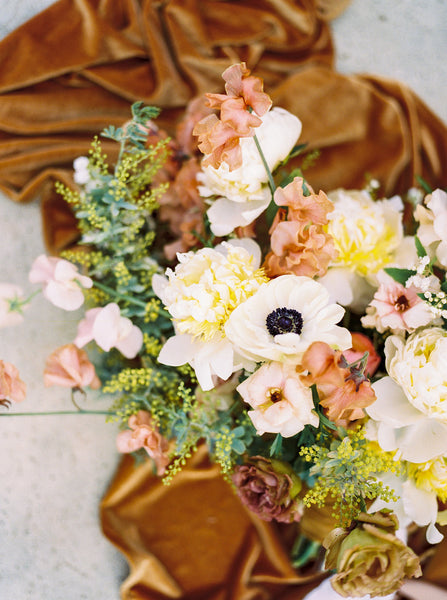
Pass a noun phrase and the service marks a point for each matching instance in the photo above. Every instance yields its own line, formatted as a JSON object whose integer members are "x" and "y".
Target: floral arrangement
{"x": 302, "y": 336}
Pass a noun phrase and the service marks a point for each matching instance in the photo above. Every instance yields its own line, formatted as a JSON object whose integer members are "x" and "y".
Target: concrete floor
{"x": 54, "y": 470}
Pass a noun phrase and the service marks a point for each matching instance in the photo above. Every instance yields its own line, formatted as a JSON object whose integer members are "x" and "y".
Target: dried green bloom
{"x": 369, "y": 558}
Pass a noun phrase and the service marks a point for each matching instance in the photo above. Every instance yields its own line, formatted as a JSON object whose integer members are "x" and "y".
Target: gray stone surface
{"x": 55, "y": 469}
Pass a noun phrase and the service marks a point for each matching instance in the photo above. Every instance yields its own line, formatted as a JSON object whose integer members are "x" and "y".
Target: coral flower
{"x": 343, "y": 392}
{"x": 240, "y": 109}
{"x": 143, "y": 433}
{"x": 299, "y": 243}
{"x": 361, "y": 344}
{"x": 12, "y": 388}
{"x": 69, "y": 366}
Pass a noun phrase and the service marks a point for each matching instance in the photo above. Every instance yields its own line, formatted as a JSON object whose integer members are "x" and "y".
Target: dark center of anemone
{"x": 401, "y": 303}
{"x": 284, "y": 320}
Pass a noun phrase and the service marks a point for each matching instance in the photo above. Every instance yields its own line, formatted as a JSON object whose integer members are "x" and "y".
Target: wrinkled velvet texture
{"x": 75, "y": 69}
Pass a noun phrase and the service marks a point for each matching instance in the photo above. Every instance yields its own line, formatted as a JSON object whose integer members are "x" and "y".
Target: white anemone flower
{"x": 282, "y": 319}
{"x": 243, "y": 193}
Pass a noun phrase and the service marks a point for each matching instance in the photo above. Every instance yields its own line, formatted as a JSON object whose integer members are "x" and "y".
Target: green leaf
{"x": 419, "y": 247}
{"x": 400, "y": 275}
{"x": 276, "y": 447}
{"x": 424, "y": 185}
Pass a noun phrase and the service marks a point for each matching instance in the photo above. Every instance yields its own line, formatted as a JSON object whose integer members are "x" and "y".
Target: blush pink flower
{"x": 62, "y": 282}
{"x": 69, "y": 366}
{"x": 109, "y": 330}
{"x": 396, "y": 308}
{"x": 344, "y": 392}
{"x": 240, "y": 109}
{"x": 299, "y": 243}
{"x": 281, "y": 402}
{"x": 11, "y": 304}
{"x": 12, "y": 388}
{"x": 143, "y": 433}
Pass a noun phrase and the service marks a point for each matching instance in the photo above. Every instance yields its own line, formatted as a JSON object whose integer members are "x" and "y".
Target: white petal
{"x": 177, "y": 351}
{"x": 392, "y": 406}
{"x": 225, "y": 215}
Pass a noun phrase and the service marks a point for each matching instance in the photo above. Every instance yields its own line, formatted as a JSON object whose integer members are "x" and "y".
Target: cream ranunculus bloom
{"x": 432, "y": 230}
{"x": 282, "y": 319}
{"x": 243, "y": 193}
{"x": 200, "y": 294}
{"x": 368, "y": 236}
{"x": 411, "y": 405}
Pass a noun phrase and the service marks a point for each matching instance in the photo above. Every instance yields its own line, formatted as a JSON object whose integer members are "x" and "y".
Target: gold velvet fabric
{"x": 77, "y": 66}
{"x": 74, "y": 69}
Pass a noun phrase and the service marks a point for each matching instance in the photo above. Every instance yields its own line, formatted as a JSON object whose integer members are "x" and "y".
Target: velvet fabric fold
{"x": 194, "y": 540}
{"x": 75, "y": 69}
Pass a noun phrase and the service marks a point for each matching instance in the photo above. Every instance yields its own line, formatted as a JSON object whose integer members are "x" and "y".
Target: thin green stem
{"x": 81, "y": 411}
{"x": 266, "y": 167}
{"x": 112, "y": 292}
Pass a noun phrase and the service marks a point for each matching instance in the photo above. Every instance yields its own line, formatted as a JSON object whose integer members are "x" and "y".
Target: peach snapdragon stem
{"x": 266, "y": 167}
{"x": 113, "y": 293}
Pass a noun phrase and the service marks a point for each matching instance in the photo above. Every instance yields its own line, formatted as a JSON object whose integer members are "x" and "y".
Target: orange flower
{"x": 195, "y": 111}
{"x": 299, "y": 243}
{"x": 298, "y": 249}
{"x": 305, "y": 209}
{"x": 12, "y": 388}
{"x": 69, "y": 366}
{"x": 219, "y": 138}
{"x": 343, "y": 391}
{"x": 143, "y": 433}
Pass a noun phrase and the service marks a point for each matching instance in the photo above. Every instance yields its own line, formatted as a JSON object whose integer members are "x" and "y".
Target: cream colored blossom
{"x": 432, "y": 230}
{"x": 206, "y": 287}
{"x": 411, "y": 406}
{"x": 368, "y": 236}
{"x": 201, "y": 294}
{"x": 282, "y": 319}
{"x": 431, "y": 476}
{"x": 243, "y": 193}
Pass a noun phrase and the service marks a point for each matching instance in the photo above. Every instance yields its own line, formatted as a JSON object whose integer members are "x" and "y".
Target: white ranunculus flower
{"x": 200, "y": 294}
{"x": 411, "y": 405}
{"x": 282, "y": 319}
{"x": 369, "y": 236}
{"x": 432, "y": 230}
{"x": 243, "y": 194}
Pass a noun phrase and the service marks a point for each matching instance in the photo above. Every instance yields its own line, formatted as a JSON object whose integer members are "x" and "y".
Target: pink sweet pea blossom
{"x": 109, "y": 330}
{"x": 143, "y": 433}
{"x": 281, "y": 402}
{"x": 12, "y": 388}
{"x": 10, "y": 294}
{"x": 69, "y": 366}
{"x": 396, "y": 308}
{"x": 61, "y": 281}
